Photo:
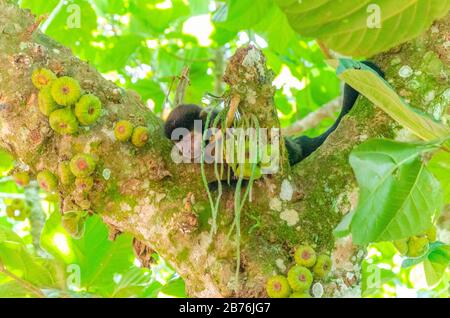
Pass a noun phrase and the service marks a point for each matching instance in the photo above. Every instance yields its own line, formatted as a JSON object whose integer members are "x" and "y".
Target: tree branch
{"x": 313, "y": 119}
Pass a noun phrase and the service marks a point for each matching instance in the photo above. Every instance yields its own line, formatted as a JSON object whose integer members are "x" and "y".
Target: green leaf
{"x": 6, "y": 162}
{"x": 175, "y": 287}
{"x": 239, "y": 15}
{"x": 409, "y": 262}
{"x": 433, "y": 272}
{"x": 15, "y": 256}
{"x": 39, "y": 7}
{"x": 398, "y": 196}
{"x": 344, "y": 227}
{"x": 270, "y": 27}
{"x": 439, "y": 165}
{"x": 378, "y": 91}
{"x": 282, "y": 103}
{"x": 199, "y": 7}
{"x": 348, "y": 26}
{"x": 149, "y": 89}
{"x": 111, "y": 7}
{"x": 104, "y": 265}
{"x": 132, "y": 284}
{"x": 9, "y": 186}
{"x": 261, "y": 16}
{"x": 152, "y": 290}
{"x": 120, "y": 50}
{"x": 148, "y": 19}
{"x": 74, "y": 24}
{"x": 435, "y": 262}
{"x": 12, "y": 289}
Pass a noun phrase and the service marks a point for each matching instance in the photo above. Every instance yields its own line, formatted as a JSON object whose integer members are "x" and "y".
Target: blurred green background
{"x": 143, "y": 45}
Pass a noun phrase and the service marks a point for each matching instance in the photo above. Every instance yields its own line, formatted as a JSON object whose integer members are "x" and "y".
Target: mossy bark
{"x": 143, "y": 192}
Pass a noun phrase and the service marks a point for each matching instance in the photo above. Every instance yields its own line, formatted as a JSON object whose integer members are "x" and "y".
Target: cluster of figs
{"x": 62, "y": 100}
{"x": 308, "y": 266}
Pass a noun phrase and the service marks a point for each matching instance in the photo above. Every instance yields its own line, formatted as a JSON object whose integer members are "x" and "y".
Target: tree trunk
{"x": 163, "y": 204}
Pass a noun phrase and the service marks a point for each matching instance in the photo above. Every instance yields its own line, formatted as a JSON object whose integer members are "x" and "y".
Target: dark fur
{"x": 298, "y": 148}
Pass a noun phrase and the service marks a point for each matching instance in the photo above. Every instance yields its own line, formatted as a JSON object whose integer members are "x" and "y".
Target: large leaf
{"x": 436, "y": 264}
{"x": 345, "y": 26}
{"x": 261, "y": 16}
{"x": 174, "y": 288}
{"x": 398, "y": 196}
{"x": 18, "y": 260}
{"x": 12, "y": 289}
{"x": 239, "y": 15}
{"x": 344, "y": 227}
{"x": 39, "y": 7}
{"x": 106, "y": 267}
{"x": 133, "y": 283}
{"x": 378, "y": 91}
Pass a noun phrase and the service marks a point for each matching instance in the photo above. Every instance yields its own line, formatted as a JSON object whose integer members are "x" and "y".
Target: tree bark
{"x": 163, "y": 204}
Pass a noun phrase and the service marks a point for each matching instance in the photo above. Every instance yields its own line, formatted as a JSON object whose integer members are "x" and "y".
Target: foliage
{"x": 378, "y": 25}
{"x": 92, "y": 266}
{"x": 440, "y": 166}
{"x": 143, "y": 45}
{"x": 378, "y": 91}
{"x": 399, "y": 198}
{"x": 384, "y": 276}
{"x": 435, "y": 262}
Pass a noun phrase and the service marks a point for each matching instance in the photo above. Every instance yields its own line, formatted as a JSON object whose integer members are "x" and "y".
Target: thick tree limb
{"x": 313, "y": 119}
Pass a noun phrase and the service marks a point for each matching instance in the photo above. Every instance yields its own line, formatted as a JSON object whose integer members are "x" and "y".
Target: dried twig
{"x": 183, "y": 83}
{"x": 325, "y": 50}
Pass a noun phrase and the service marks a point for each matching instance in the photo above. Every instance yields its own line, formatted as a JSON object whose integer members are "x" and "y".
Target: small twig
{"x": 36, "y": 291}
{"x": 183, "y": 83}
{"x": 52, "y": 16}
{"x": 166, "y": 98}
{"x": 325, "y": 50}
{"x": 234, "y": 103}
{"x": 313, "y": 119}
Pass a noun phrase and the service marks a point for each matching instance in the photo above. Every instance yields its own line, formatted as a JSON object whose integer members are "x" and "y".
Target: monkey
{"x": 298, "y": 148}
